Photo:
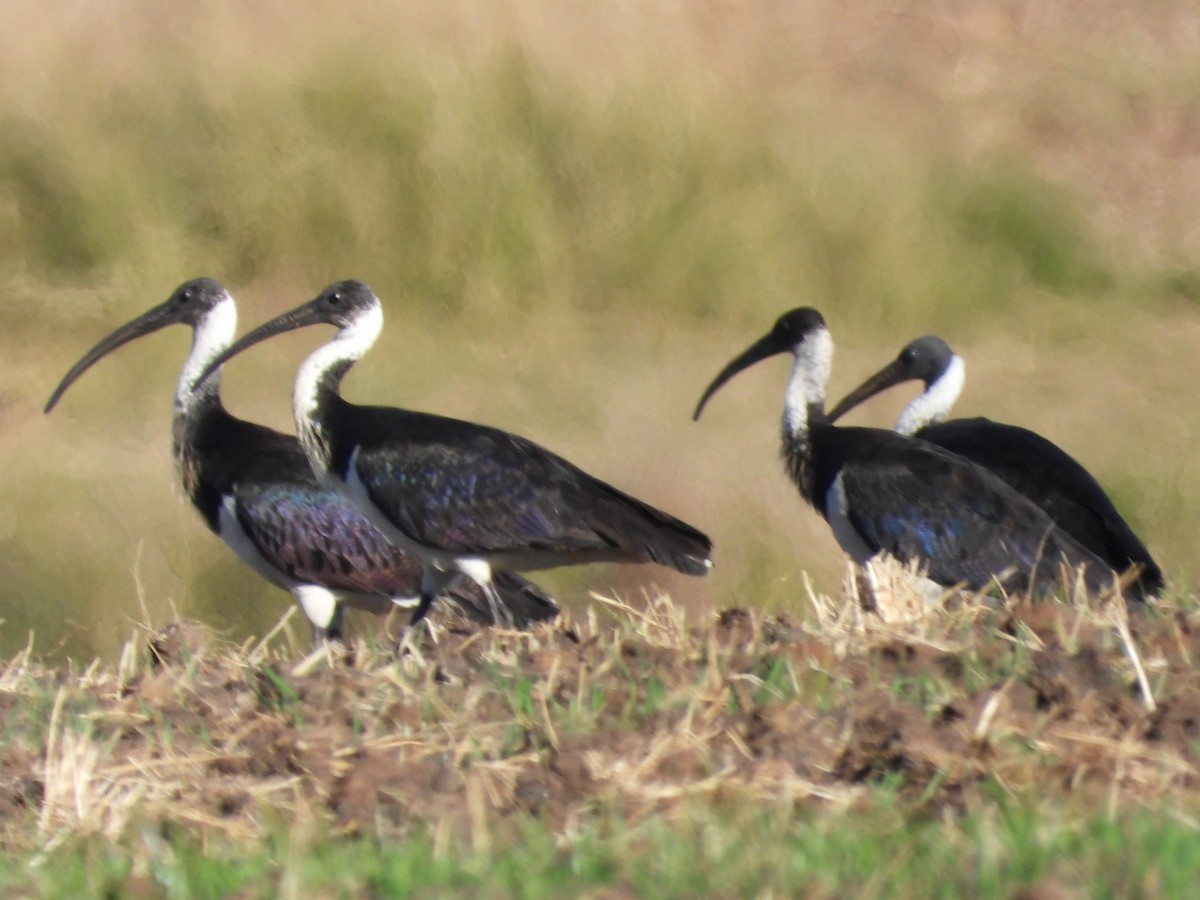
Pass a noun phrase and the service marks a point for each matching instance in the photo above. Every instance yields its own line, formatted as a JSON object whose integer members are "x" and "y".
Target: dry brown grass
{"x": 642, "y": 711}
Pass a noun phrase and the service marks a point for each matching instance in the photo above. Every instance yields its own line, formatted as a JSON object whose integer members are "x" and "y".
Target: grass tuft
{"x": 605, "y": 750}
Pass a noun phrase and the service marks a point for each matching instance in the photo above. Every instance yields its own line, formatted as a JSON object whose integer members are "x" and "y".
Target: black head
{"x": 190, "y": 304}
{"x": 192, "y": 301}
{"x": 925, "y": 359}
{"x": 341, "y": 304}
{"x": 790, "y": 329}
{"x": 788, "y": 335}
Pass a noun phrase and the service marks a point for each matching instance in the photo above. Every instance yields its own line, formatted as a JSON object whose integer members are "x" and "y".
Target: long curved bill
{"x": 301, "y": 316}
{"x": 891, "y": 374}
{"x": 147, "y": 323}
{"x": 771, "y": 344}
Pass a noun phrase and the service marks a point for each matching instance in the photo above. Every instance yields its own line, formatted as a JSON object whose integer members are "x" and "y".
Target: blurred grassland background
{"x": 575, "y": 214}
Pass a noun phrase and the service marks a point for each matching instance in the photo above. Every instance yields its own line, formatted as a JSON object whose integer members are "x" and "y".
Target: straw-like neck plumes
{"x": 804, "y": 405}
{"x": 805, "y": 397}
{"x": 935, "y": 403}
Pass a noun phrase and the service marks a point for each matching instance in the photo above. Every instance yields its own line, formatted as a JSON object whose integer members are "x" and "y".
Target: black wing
{"x": 919, "y": 502}
{"x": 471, "y": 489}
{"x": 317, "y": 536}
{"x": 1051, "y": 478}
{"x": 311, "y": 532}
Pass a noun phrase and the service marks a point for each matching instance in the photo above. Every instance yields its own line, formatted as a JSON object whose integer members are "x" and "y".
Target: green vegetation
{"x": 514, "y": 191}
{"x": 978, "y": 752}
{"x": 742, "y": 851}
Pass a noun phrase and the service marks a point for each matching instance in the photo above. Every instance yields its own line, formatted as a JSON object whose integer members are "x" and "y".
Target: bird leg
{"x": 319, "y": 634}
{"x": 866, "y": 586}
{"x": 479, "y": 570}
{"x": 419, "y": 615}
{"x": 501, "y": 614}
{"x": 333, "y": 629}
{"x": 330, "y": 635}
{"x": 434, "y": 581}
{"x": 422, "y": 610}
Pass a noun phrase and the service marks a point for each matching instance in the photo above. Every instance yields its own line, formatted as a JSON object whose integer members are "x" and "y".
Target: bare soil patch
{"x": 638, "y": 711}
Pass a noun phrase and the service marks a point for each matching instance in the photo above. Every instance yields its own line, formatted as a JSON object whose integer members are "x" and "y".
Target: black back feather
{"x": 1051, "y": 478}
{"x": 920, "y": 502}
{"x": 467, "y": 488}
{"x": 308, "y": 530}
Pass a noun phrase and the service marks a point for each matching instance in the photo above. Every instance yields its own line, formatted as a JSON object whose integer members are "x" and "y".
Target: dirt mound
{"x": 639, "y": 712}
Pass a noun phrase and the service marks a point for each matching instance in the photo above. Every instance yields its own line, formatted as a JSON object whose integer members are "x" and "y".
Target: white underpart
{"x": 931, "y": 592}
{"x": 318, "y": 603}
{"x": 837, "y": 513}
{"x": 900, "y": 591}
{"x": 211, "y": 337}
{"x": 478, "y": 570}
{"x": 935, "y": 403}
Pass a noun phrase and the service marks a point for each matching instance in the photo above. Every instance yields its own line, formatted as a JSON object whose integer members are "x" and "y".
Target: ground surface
{"x": 636, "y": 716}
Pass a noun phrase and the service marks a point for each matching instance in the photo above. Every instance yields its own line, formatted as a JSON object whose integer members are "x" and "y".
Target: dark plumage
{"x": 255, "y": 489}
{"x": 471, "y": 489}
{"x": 1033, "y": 465}
{"x": 311, "y": 532}
{"x": 465, "y": 498}
{"x": 882, "y": 492}
{"x": 917, "y": 502}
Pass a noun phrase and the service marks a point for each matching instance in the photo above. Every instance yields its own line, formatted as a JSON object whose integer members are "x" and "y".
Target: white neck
{"x": 810, "y": 374}
{"x": 935, "y": 403}
{"x": 210, "y": 337}
{"x": 350, "y": 345}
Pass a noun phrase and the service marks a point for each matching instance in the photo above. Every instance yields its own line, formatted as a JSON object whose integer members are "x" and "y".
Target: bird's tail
{"x": 523, "y": 602}
{"x": 651, "y": 535}
{"x": 1063, "y": 559}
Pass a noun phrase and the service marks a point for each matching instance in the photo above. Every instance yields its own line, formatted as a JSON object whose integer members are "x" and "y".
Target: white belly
{"x": 837, "y": 515}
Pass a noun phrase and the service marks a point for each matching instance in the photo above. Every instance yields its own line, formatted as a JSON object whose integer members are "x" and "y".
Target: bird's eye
{"x": 183, "y": 297}
{"x": 908, "y": 356}
{"x": 335, "y": 298}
